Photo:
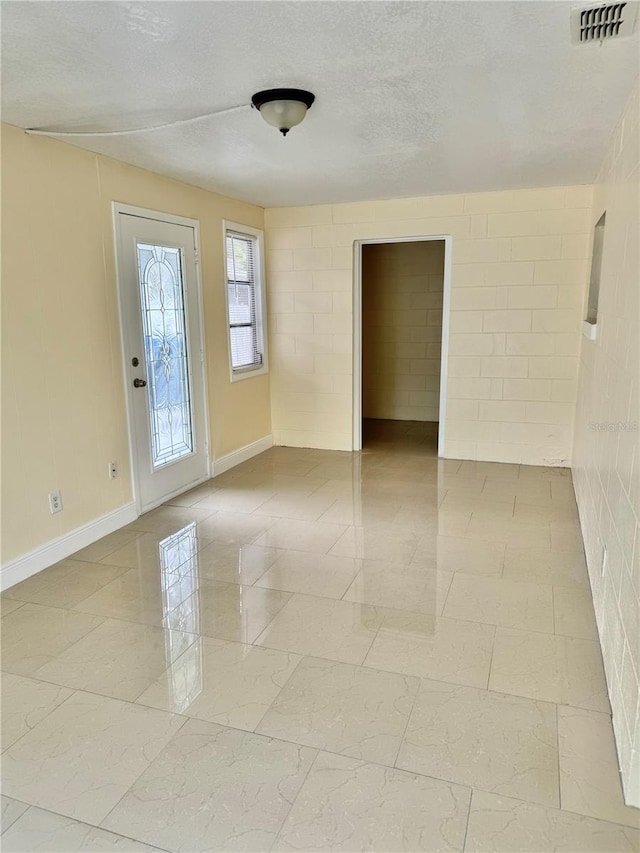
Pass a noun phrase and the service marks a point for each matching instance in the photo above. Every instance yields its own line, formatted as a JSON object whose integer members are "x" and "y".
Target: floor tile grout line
{"x": 13, "y": 609}
{"x": 144, "y": 770}
{"x": 446, "y": 599}
{"x": 286, "y": 651}
{"x": 277, "y": 613}
{"x": 6, "y": 827}
{"x": 458, "y": 503}
{"x": 558, "y": 755}
{"x": 273, "y": 701}
{"x": 123, "y": 571}
{"x": 104, "y": 556}
{"x": 406, "y": 725}
{"x": 361, "y": 760}
{"x": 298, "y": 792}
{"x": 85, "y": 822}
{"x": 372, "y": 668}
{"x": 466, "y": 828}
{"x": 536, "y": 804}
{"x": 74, "y": 609}
{"x": 57, "y": 607}
{"x": 47, "y": 715}
{"x": 486, "y": 689}
{"x": 374, "y": 638}
{"x": 493, "y": 648}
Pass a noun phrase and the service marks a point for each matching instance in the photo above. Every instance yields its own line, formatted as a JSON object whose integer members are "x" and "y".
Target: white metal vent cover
{"x": 600, "y": 22}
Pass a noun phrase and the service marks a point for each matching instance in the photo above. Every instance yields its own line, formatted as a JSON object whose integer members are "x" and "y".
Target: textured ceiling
{"x": 413, "y": 98}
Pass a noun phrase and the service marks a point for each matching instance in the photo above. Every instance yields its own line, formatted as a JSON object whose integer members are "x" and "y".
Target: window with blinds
{"x": 244, "y": 300}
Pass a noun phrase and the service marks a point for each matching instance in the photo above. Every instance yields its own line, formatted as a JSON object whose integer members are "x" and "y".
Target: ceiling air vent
{"x": 602, "y": 21}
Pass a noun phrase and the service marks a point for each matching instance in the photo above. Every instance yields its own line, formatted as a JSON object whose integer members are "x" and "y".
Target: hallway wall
{"x": 402, "y": 290}
{"x": 63, "y": 403}
{"x": 607, "y": 440}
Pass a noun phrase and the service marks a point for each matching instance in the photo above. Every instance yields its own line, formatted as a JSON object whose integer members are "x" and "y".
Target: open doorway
{"x": 402, "y": 305}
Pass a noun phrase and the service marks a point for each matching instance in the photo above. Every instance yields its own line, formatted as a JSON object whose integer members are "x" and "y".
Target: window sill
{"x": 589, "y": 330}
{"x": 249, "y": 373}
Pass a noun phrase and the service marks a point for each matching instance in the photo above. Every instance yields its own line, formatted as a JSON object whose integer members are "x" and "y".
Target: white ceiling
{"x": 413, "y": 98}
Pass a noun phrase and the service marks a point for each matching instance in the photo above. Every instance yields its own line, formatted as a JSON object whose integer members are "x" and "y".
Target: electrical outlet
{"x": 55, "y": 502}
{"x": 605, "y": 560}
{"x": 113, "y": 470}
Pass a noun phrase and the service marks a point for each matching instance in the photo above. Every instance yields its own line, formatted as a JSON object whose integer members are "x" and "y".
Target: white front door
{"x": 163, "y": 355}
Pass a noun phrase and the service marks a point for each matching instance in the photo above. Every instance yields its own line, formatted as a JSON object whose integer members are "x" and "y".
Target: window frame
{"x": 251, "y": 371}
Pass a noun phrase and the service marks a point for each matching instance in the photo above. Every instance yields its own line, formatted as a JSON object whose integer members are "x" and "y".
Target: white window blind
{"x": 243, "y": 301}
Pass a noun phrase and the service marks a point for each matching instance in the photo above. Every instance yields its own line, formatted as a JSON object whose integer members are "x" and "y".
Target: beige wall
{"x": 519, "y": 275}
{"x": 402, "y": 289}
{"x": 607, "y": 461}
{"x": 62, "y": 388}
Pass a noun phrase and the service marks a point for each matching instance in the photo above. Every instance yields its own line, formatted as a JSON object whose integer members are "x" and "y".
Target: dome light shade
{"x": 283, "y": 108}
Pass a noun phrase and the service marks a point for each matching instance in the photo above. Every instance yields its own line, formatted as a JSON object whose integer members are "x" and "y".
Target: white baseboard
{"x": 165, "y": 499}
{"x": 224, "y": 463}
{"x": 57, "y": 549}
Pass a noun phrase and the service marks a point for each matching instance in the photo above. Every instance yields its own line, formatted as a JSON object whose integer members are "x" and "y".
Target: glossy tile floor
{"x": 318, "y": 651}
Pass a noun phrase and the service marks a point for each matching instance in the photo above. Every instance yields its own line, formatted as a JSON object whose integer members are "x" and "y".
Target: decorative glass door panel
{"x": 166, "y": 352}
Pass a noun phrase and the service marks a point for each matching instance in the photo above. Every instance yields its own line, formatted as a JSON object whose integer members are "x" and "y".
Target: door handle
{"x": 139, "y": 383}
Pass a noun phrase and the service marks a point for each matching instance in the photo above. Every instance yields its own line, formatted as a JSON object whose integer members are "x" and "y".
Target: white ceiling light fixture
{"x": 283, "y": 108}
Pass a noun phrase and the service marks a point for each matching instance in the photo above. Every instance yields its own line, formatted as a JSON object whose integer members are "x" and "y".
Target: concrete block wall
{"x": 607, "y": 440}
{"x": 519, "y": 275}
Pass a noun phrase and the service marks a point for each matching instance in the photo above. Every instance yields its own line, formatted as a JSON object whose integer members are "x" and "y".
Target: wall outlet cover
{"x": 55, "y": 502}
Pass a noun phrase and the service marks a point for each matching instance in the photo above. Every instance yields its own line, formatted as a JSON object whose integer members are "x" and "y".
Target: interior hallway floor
{"x": 318, "y": 651}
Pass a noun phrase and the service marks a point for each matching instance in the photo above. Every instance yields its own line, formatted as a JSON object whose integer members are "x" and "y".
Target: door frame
{"x": 172, "y": 219}
{"x": 357, "y": 330}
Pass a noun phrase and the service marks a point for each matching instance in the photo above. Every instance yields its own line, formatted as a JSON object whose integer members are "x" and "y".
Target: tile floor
{"x": 318, "y": 651}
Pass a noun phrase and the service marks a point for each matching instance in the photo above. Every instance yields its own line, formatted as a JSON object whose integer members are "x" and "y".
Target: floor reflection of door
{"x": 179, "y": 579}
{"x": 163, "y": 350}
